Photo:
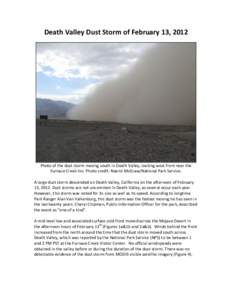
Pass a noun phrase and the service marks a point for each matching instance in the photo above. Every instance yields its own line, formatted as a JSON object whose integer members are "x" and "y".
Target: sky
{"x": 72, "y": 71}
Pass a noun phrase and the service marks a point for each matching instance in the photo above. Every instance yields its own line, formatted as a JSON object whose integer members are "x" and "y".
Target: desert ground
{"x": 82, "y": 141}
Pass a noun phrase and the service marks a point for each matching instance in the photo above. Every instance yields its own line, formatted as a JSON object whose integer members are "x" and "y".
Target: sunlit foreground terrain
{"x": 81, "y": 141}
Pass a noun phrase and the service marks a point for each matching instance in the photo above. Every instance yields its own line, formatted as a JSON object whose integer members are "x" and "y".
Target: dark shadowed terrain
{"x": 81, "y": 141}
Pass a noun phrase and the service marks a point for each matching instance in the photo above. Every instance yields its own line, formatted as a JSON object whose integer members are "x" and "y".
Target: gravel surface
{"x": 81, "y": 141}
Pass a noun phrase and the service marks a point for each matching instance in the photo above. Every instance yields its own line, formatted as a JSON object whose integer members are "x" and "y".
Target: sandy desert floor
{"x": 82, "y": 141}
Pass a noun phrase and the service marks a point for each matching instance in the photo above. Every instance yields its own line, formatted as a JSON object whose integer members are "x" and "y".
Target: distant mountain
{"x": 54, "y": 109}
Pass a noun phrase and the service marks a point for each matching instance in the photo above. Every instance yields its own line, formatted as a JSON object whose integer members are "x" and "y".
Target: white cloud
{"x": 100, "y": 61}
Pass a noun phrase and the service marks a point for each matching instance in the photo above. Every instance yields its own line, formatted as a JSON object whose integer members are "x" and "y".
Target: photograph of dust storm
{"x": 116, "y": 102}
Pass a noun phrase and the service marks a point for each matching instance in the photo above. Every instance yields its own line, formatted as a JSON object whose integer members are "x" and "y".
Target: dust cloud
{"x": 159, "y": 89}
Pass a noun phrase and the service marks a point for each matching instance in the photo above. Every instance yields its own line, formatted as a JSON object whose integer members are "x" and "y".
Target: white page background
{"x": 207, "y": 274}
